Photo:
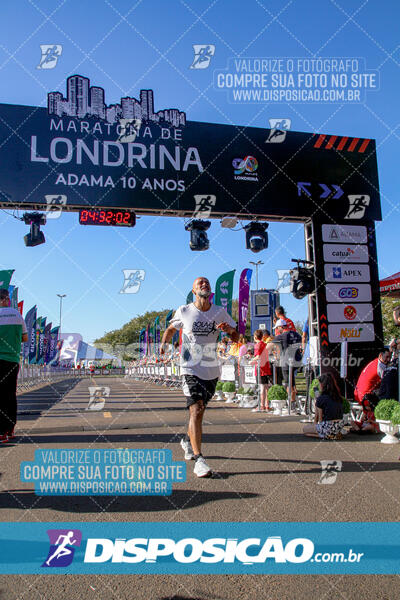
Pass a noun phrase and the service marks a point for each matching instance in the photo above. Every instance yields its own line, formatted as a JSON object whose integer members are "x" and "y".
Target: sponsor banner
{"x": 348, "y": 293}
{"x": 249, "y": 375}
{"x": 29, "y": 350}
{"x": 350, "y": 312}
{"x": 344, "y": 234}
{"x": 228, "y": 373}
{"x": 5, "y": 278}
{"x": 244, "y": 290}
{"x": 363, "y": 332}
{"x": 224, "y": 291}
{"x": 344, "y": 253}
{"x": 347, "y": 272}
{"x": 194, "y": 548}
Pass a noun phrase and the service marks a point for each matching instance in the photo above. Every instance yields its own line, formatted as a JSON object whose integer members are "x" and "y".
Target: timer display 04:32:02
{"x": 119, "y": 218}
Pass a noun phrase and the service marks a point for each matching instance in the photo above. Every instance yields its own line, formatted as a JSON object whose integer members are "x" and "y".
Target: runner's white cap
{"x": 280, "y": 323}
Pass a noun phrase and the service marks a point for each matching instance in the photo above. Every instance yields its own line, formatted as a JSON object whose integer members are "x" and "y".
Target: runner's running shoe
{"x": 187, "y": 448}
{"x": 201, "y": 468}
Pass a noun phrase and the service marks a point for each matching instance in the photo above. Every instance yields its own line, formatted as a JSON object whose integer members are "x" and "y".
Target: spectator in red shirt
{"x": 280, "y": 314}
{"x": 366, "y": 390}
{"x": 261, "y": 360}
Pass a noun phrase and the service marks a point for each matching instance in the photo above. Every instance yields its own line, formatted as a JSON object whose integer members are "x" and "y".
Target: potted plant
{"x": 229, "y": 390}
{"x": 277, "y": 396}
{"x": 395, "y": 418}
{"x": 383, "y": 414}
{"x": 249, "y": 398}
{"x": 239, "y": 395}
{"x": 346, "y": 411}
{"x": 218, "y": 390}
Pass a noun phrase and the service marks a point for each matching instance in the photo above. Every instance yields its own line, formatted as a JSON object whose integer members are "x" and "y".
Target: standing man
{"x": 12, "y": 332}
{"x": 201, "y": 323}
{"x": 280, "y": 315}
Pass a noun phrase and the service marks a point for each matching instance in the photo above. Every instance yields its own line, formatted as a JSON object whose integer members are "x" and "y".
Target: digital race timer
{"x": 114, "y": 217}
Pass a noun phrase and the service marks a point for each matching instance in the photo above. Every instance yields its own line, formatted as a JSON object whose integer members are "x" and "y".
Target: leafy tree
{"x": 389, "y": 329}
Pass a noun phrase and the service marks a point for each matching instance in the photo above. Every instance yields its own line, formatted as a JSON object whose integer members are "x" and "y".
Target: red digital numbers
{"x": 106, "y": 217}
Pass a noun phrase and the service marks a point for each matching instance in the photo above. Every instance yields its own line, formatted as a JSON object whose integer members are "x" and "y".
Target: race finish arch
{"x": 83, "y": 153}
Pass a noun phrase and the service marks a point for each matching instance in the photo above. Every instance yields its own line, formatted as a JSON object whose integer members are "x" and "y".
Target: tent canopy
{"x": 390, "y": 286}
{"x": 87, "y": 352}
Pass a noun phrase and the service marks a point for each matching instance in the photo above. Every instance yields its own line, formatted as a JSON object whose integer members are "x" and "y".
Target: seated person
{"x": 366, "y": 423}
{"x": 328, "y": 419}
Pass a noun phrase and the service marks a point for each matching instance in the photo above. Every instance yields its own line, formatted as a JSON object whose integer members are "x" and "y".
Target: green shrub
{"x": 219, "y": 386}
{"x": 346, "y": 406}
{"x": 384, "y": 409}
{"x": 240, "y": 390}
{"x": 277, "y": 392}
{"x": 229, "y": 387}
{"x": 314, "y": 386}
{"x": 395, "y": 418}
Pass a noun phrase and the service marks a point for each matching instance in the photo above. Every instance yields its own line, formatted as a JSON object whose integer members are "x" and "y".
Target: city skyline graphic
{"x": 84, "y": 100}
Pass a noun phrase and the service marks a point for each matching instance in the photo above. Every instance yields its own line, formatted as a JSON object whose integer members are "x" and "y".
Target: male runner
{"x": 201, "y": 323}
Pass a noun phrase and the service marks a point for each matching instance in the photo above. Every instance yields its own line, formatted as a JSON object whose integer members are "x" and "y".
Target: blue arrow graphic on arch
{"x": 301, "y": 187}
{"x": 339, "y": 191}
{"x": 326, "y": 191}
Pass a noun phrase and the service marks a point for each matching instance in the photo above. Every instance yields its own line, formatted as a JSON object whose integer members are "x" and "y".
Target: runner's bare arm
{"x": 166, "y": 338}
{"x": 231, "y": 331}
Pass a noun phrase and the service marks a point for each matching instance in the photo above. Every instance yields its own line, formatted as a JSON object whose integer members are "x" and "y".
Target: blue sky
{"x": 126, "y": 46}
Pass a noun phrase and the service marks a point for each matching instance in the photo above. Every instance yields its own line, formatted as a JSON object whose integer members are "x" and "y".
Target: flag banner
{"x": 11, "y": 289}
{"x": 53, "y": 345}
{"x": 46, "y": 343}
{"x": 147, "y": 340}
{"x": 189, "y": 298}
{"x": 5, "y": 278}
{"x": 142, "y": 341}
{"x": 224, "y": 291}
{"x": 40, "y": 348}
{"x": 244, "y": 292}
{"x": 37, "y": 332}
{"x": 21, "y": 307}
{"x": 251, "y": 548}
{"x": 156, "y": 337}
{"x": 168, "y": 318}
{"x": 30, "y": 345}
{"x": 14, "y": 298}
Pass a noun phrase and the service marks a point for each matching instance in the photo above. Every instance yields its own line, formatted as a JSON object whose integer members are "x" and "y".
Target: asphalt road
{"x": 264, "y": 470}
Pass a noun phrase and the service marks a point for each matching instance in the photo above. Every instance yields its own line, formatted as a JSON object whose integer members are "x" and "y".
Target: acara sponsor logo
{"x": 191, "y": 550}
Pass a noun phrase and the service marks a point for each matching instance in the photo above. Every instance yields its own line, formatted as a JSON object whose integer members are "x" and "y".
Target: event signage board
{"x": 344, "y": 253}
{"x": 345, "y": 234}
{"x": 86, "y": 152}
{"x": 347, "y": 273}
{"x": 348, "y": 292}
{"x": 350, "y": 312}
{"x": 362, "y": 332}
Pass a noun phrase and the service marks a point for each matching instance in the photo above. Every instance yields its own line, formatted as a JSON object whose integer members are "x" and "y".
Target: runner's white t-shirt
{"x": 199, "y": 339}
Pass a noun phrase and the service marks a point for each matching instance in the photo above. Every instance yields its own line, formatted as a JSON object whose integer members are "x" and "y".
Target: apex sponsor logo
{"x": 192, "y": 550}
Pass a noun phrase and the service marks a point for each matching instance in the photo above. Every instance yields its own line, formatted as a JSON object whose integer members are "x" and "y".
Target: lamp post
{"x": 256, "y": 264}
{"x": 61, "y": 296}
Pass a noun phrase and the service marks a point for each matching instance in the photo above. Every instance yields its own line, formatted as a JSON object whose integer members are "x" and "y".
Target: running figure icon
{"x": 62, "y": 549}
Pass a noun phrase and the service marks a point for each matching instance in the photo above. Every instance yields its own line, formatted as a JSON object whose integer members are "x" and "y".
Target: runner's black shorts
{"x": 196, "y": 389}
{"x": 265, "y": 379}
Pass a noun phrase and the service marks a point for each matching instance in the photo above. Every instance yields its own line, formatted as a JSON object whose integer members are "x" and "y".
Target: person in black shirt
{"x": 287, "y": 345}
{"x": 328, "y": 420}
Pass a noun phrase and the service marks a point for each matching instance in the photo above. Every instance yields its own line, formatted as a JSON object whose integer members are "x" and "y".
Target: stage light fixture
{"x": 35, "y": 237}
{"x": 256, "y": 236}
{"x": 302, "y": 280}
{"x": 198, "y": 237}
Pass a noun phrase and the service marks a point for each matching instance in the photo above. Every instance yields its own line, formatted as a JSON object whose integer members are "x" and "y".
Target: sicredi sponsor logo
{"x": 347, "y": 273}
{"x": 344, "y": 293}
{"x": 345, "y": 253}
{"x": 192, "y": 550}
{"x": 350, "y": 234}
